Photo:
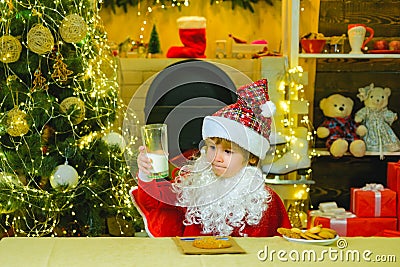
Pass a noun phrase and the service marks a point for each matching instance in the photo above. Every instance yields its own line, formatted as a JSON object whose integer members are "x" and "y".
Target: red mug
{"x": 368, "y": 29}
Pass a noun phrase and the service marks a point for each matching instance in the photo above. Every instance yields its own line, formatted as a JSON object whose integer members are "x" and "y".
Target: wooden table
{"x": 136, "y": 251}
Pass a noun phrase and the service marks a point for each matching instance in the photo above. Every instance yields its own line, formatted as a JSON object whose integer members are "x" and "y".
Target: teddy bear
{"x": 377, "y": 118}
{"x": 339, "y": 128}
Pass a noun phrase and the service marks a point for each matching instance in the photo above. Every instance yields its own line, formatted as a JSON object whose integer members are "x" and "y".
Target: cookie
{"x": 288, "y": 232}
{"x": 211, "y": 243}
{"x": 330, "y": 230}
{"x": 304, "y": 236}
{"x": 326, "y": 234}
{"x": 312, "y": 235}
{"x": 315, "y": 229}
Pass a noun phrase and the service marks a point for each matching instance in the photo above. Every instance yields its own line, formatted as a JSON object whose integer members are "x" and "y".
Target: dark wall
{"x": 335, "y": 177}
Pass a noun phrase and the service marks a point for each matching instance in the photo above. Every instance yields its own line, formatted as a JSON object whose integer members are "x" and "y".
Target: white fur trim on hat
{"x": 191, "y": 22}
{"x": 245, "y": 137}
{"x": 268, "y": 109}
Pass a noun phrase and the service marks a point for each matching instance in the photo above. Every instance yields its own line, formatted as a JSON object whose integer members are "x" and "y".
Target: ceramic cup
{"x": 356, "y": 33}
{"x": 155, "y": 140}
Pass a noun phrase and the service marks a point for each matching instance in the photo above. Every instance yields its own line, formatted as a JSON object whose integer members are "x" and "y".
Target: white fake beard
{"x": 221, "y": 204}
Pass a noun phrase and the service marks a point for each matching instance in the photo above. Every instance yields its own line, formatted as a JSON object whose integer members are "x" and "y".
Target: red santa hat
{"x": 246, "y": 122}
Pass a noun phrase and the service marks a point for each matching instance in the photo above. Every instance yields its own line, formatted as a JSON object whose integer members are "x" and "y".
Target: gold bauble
{"x": 73, "y": 28}
{"x": 10, "y": 49}
{"x": 16, "y": 123}
{"x": 40, "y": 40}
{"x": 78, "y": 113}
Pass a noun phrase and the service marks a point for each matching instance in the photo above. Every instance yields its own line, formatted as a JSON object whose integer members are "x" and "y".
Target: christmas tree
{"x": 62, "y": 165}
{"x": 154, "y": 43}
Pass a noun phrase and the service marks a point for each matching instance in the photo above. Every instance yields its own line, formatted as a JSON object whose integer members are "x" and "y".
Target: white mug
{"x": 356, "y": 33}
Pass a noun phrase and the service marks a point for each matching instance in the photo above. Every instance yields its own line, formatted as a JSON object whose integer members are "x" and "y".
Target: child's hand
{"x": 143, "y": 162}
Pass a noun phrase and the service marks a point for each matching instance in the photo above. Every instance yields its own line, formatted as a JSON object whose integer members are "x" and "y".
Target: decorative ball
{"x": 16, "y": 122}
{"x": 73, "y": 28}
{"x": 115, "y": 139}
{"x": 40, "y": 40}
{"x": 75, "y": 107}
{"x": 10, "y": 49}
{"x": 10, "y": 179}
{"x": 64, "y": 177}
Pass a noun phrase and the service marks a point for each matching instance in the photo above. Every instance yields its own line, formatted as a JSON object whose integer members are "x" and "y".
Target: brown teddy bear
{"x": 378, "y": 119}
{"x": 342, "y": 132}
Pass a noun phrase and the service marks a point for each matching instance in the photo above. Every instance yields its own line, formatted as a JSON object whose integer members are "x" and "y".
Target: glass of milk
{"x": 155, "y": 140}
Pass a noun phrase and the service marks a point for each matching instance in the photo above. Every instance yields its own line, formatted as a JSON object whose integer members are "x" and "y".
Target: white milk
{"x": 159, "y": 162}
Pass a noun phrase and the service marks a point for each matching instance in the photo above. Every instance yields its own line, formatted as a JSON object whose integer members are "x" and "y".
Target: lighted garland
{"x": 292, "y": 89}
{"x": 125, "y": 4}
{"x": 43, "y": 68}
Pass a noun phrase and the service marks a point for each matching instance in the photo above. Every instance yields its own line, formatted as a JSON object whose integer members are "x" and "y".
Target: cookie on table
{"x": 211, "y": 242}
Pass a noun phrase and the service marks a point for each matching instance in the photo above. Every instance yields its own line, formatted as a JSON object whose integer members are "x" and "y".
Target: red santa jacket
{"x": 165, "y": 220}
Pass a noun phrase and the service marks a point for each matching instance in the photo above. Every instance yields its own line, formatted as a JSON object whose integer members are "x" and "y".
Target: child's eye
{"x": 211, "y": 147}
{"x": 227, "y": 151}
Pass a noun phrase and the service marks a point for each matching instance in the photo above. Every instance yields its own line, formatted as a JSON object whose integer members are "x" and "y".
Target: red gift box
{"x": 393, "y": 176}
{"x": 398, "y": 210}
{"x": 393, "y": 182}
{"x": 357, "y": 226}
{"x": 367, "y": 203}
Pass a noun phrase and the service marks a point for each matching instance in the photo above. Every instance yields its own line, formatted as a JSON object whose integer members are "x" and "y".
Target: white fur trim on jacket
{"x": 191, "y": 22}
{"x": 236, "y": 132}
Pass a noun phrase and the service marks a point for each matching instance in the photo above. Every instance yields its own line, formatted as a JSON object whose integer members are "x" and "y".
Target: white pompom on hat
{"x": 246, "y": 122}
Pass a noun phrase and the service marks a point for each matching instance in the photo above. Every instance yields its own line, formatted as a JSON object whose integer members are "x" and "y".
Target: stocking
{"x": 192, "y": 33}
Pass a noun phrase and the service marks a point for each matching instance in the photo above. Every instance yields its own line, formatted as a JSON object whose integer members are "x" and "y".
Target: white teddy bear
{"x": 378, "y": 119}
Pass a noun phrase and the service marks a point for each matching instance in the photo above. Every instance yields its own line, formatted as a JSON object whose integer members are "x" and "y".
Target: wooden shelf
{"x": 362, "y": 56}
{"x": 325, "y": 152}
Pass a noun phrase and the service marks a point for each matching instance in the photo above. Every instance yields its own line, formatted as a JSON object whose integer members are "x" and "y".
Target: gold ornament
{"x": 73, "y": 28}
{"x": 39, "y": 82}
{"x": 16, "y": 122}
{"x": 74, "y": 107}
{"x": 40, "y": 40}
{"x": 293, "y": 214}
{"x": 60, "y": 72}
{"x": 10, "y": 49}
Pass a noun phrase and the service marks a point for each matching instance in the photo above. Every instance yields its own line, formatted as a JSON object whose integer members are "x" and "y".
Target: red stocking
{"x": 192, "y": 33}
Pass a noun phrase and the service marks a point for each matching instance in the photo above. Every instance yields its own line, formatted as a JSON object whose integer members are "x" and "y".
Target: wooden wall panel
{"x": 383, "y": 16}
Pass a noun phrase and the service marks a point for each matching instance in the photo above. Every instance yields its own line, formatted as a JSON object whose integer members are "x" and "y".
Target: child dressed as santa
{"x": 223, "y": 191}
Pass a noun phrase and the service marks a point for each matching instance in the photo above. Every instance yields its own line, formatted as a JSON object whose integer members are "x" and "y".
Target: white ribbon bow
{"x": 373, "y": 187}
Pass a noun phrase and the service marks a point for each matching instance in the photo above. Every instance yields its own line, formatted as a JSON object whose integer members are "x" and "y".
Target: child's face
{"x": 226, "y": 161}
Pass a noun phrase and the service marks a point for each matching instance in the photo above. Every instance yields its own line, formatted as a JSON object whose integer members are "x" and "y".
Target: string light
{"x": 28, "y": 207}
{"x": 147, "y": 11}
